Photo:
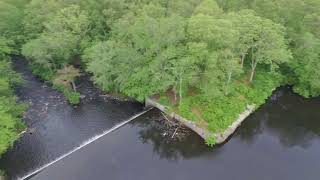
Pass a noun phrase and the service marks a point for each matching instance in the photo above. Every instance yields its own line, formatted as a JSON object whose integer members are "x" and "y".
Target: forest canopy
{"x": 206, "y": 59}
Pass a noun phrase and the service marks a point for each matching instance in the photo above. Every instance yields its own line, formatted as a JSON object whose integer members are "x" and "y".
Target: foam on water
{"x": 84, "y": 144}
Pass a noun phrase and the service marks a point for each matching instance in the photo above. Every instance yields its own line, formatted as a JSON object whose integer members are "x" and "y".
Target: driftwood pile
{"x": 173, "y": 128}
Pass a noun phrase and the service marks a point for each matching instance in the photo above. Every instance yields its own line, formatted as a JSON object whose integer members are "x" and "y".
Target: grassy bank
{"x": 218, "y": 113}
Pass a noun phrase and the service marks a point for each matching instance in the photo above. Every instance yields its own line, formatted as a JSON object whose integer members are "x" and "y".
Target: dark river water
{"x": 280, "y": 141}
{"x": 56, "y": 126}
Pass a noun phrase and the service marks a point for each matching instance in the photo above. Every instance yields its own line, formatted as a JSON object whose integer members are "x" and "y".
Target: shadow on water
{"x": 294, "y": 120}
{"x": 153, "y": 131}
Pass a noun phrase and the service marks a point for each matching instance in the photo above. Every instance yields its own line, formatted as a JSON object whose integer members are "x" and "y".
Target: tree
{"x": 5, "y": 48}
{"x": 270, "y": 46}
{"x": 180, "y": 67}
{"x": 51, "y": 51}
{"x": 306, "y": 66}
{"x": 243, "y": 22}
{"x": 37, "y": 12}
{"x": 8, "y": 74}
{"x": 10, "y": 111}
{"x": 101, "y": 62}
{"x": 222, "y": 38}
{"x": 184, "y": 8}
{"x": 10, "y": 24}
{"x": 71, "y": 21}
{"x": 229, "y": 64}
{"x": 66, "y": 77}
{"x": 137, "y": 59}
{"x": 300, "y": 17}
{"x": 61, "y": 39}
{"x": 208, "y": 7}
{"x": 212, "y": 79}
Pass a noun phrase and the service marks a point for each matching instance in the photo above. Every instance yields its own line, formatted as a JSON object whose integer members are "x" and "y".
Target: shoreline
{"x": 204, "y": 133}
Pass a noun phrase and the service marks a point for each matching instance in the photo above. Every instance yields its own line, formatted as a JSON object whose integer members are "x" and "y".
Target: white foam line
{"x": 91, "y": 140}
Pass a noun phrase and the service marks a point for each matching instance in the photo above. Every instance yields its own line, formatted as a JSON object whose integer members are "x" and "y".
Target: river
{"x": 281, "y": 140}
{"x": 55, "y": 126}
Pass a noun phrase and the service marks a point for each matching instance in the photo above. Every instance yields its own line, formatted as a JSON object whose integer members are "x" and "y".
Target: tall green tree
{"x": 208, "y": 7}
{"x": 270, "y": 47}
{"x": 37, "y": 12}
{"x": 11, "y": 27}
{"x": 144, "y": 59}
{"x": 306, "y": 66}
{"x": 60, "y": 40}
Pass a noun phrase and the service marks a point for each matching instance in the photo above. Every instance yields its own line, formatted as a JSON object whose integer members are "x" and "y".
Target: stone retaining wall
{"x": 204, "y": 133}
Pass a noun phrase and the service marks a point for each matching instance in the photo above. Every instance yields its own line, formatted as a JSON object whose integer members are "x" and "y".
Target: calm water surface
{"x": 280, "y": 141}
{"x": 55, "y": 127}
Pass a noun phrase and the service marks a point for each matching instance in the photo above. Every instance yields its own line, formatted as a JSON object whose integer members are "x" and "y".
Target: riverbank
{"x": 279, "y": 141}
{"x": 203, "y": 132}
{"x": 10, "y": 110}
{"x": 216, "y": 117}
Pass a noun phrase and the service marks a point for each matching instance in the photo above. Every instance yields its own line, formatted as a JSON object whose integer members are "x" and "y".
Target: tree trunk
{"x": 251, "y": 76}
{"x": 180, "y": 90}
{"x": 253, "y": 69}
{"x": 242, "y": 60}
{"x": 175, "y": 93}
{"x": 253, "y": 65}
{"x": 228, "y": 82}
{"x": 74, "y": 86}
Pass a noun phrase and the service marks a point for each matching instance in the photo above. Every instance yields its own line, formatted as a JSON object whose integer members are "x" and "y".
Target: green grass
{"x": 220, "y": 112}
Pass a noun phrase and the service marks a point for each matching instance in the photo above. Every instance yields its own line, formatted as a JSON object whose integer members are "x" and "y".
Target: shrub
{"x": 44, "y": 73}
{"x": 211, "y": 141}
{"x": 72, "y": 96}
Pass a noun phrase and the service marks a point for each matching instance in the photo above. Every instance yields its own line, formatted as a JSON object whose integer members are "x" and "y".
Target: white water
{"x": 84, "y": 144}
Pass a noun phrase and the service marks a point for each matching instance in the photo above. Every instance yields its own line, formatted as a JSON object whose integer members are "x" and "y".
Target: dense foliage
{"x": 207, "y": 59}
{"x": 10, "y": 111}
{"x": 10, "y": 36}
{"x": 302, "y": 21}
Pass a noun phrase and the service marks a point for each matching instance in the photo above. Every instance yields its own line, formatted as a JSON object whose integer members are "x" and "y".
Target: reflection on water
{"x": 293, "y": 120}
{"x": 279, "y": 141}
{"x": 154, "y": 132}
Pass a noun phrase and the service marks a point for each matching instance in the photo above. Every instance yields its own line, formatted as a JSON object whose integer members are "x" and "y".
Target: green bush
{"x": 44, "y": 73}
{"x": 211, "y": 141}
{"x": 72, "y": 96}
{"x": 10, "y": 112}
